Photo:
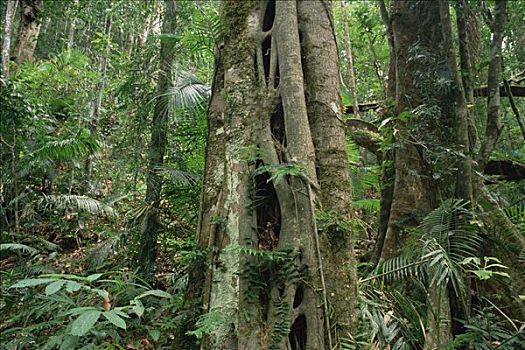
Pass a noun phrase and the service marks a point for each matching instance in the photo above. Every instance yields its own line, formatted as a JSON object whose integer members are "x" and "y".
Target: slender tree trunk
{"x": 71, "y": 28}
{"x": 6, "y": 43}
{"x": 350, "y": 72}
{"x": 464, "y": 16}
{"x": 157, "y": 147}
{"x": 97, "y": 103}
{"x": 388, "y": 174}
{"x": 494, "y": 124}
{"x": 387, "y": 20}
{"x": 28, "y": 31}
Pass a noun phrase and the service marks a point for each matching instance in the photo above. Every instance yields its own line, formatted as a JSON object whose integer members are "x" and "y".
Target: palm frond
{"x": 187, "y": 93}
{"x": 398, "y": 268}
{"x": 82, "y": 203}
{"x": 18, "y": 247}
{"x": 179, "y": 177}
{"x": 99, "y": 254}
{"x": 72, "y": 148}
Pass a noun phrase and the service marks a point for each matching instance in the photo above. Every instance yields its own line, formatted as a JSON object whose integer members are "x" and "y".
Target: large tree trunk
{"x": 433, "y": 119}
{"x": 425, "y": 116}
{"x": 157, "y": 146}
{"x": 266, "y": 161}
{"x": 320, "y": 64}
{"x": 386, "y": 158}
{"x": 6, "y": 42}
{"x": 28, "y": 31}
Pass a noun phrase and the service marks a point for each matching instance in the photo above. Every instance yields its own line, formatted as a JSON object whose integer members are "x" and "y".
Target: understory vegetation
{"x": 103, "y": 150}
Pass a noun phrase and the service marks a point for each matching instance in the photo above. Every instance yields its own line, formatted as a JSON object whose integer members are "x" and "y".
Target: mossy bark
{"x": 320, "y": 66}
{"x": 260, "y": 122}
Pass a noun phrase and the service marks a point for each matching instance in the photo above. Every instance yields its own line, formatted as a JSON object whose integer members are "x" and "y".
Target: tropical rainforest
{"x": 262, "y": 174}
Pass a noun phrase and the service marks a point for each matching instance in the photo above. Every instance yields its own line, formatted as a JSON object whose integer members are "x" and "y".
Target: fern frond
{"x": 369, "y": 204}
{"x": 101, "y": 252}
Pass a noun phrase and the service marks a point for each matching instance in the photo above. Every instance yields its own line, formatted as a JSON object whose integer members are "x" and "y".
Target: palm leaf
{"x": 179, "y": 177}
{"x": 18, "y": 247}
{"x": 187, "y": 93}
{"x": 72, "y": 148}
{"x": 82, "y": 203}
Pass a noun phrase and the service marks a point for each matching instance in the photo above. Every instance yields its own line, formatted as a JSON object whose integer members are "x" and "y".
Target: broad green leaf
{"x": 112, "y": 317}
{"x": 154, "y": 334}
{"x": 64, "y": 276}
{"x": 94, "y": 277}
{"x": 70, "y": 342}
{"x": 80, "y": 310}
{"x": 156, "y": 292}
{"x": 54, "y": 287}
{"x": 103, "y": 293}
{"x": 31, "y": 282}
{"x": 483, "y": 274}
{"x": 470, "y": 259}
{"x": 491, "y": 266}
{"x": 118, "y": 311}
{"x": 84, "y": 322}
{"x": 504, "y": 274}
{"x": 138, "y": 307}
{"x": 72, "y": 286}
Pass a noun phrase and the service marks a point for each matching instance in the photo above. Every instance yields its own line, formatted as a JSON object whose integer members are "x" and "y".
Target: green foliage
{"x": 207, "y": 323}
{"x": 447, "y": 236}
{"x": 279, "y": 171}
{"x": 487, "y": 330}
{"x": 80, "y": 145}
{"x": 488, "y": 268}
{"x": 387, "y": 319}
{"x": 73, "y": 202}
{"x": 91, "y": 309}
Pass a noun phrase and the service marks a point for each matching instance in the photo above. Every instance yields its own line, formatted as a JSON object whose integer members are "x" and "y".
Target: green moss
{"x": 235, "y": 13}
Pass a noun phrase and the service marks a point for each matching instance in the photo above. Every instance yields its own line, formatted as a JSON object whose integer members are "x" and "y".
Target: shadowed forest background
{"x": 267, "y": 174}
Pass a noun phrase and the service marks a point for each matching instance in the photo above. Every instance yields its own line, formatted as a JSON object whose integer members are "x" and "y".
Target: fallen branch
{"x": 515, "y": 91}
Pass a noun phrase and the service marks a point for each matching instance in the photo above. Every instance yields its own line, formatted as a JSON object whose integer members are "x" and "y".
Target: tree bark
{"x": 6, "y": 43}
{"x": 157, "y": 147}
{"x": 28, "y": 31}
{"x": 261, "y": 125}
{"x": 320, "y": 66}
{"x": 97, "y": 103}
{"x": 72, "y": 25}
{"x": 388, "y": 171}
{"x": 494, "y": 125}
{"x": 350, "y": 72}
